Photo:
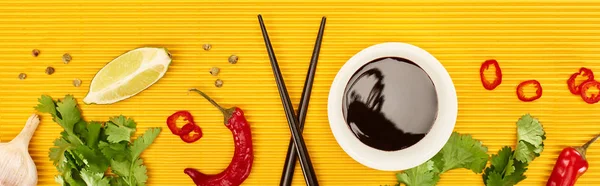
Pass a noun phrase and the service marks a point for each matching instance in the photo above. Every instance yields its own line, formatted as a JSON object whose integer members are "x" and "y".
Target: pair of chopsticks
{"x": 297, "y": 147}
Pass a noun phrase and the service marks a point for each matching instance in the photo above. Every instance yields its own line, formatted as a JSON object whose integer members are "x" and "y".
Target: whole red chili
{"x": 241, "y": 163}
{"x": 570, "y": 165}
{"x": 498, "y": 76}
{"x": 572, "y": 81}
{"x": 187, "y": 129}
{"x": 593, "y": 97}
{"x": 172, "y": 121}
{"x": 521, "y": 94}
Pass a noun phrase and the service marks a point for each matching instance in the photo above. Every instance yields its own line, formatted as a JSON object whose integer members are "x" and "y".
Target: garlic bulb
{"x": 16, "y": 165}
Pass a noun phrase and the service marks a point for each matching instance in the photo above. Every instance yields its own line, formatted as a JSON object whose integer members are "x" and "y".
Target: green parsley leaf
{"x": 517, "y": 175}
{"x": 500, "y": 160}
{"x": 462, "y": 151}
{"x": 94, "y": 178}
{"x": 115, "y": 151}
{"x": 123, "y": 121}
{"x": 495, "y": 179}
{"x": 93, "y": 158}
{"x": 143, "y": 142}
{"x": 422, "y": 175}
{"x": 530, "y": 136}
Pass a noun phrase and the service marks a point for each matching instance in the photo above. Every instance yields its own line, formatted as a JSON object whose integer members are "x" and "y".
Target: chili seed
{"x": 35, "y": 52}
{"x": 233, "y": 59}
{"x": 214, "y": 71}
{"x": 22, "y": 76}
{"x": 207, "y": 47}
{"x": 50, "y": 70}
{"x": 67, "y": 58}
{"x": 219, "y": 83}
{"x": 77, "y": 82}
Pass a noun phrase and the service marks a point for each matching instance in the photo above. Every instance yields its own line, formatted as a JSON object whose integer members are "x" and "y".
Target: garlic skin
{"x": 16, "y": 166}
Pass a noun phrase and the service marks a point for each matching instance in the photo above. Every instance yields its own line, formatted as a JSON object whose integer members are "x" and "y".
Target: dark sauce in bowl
{"x": 390, "y": 103}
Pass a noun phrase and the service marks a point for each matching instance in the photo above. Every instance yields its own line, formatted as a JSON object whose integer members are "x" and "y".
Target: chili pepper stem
{"x": 585, "y": 146}
{"x": 227, "y": 113}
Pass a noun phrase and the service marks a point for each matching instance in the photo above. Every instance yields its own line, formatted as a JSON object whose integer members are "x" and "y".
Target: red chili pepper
{"x": 497, "y": 80}
{"x": 570, "y": 165}
{"x": 572, "y": 83}
{"x": 593, "y": 97}
{"x": 172, "y": 121}
{"x": 187, "y": 129}
{"x": 521, "y": 94}
{"x": 243, "y": 155}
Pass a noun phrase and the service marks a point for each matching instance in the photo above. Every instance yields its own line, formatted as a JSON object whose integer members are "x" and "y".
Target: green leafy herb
{"x": 461, "y": 151}
{"x": 508, "y": 167}
{"x": 86, "y": 150}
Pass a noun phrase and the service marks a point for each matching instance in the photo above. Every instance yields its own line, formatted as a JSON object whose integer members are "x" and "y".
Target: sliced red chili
{"x": 586, "y": 95}
{"x": 521, "y": 93}
{"x": 189, "y": 128}
{"x": 572, "y": 81}
{"x": 490, "y": 85}
{"x": 172, "y": 121}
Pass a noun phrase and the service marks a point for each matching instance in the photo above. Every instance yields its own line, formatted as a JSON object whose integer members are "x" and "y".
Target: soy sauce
{"x": 390, "y": 103}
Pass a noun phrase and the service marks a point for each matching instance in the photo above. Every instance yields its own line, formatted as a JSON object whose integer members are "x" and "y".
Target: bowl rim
{"x": 416, "y": 154}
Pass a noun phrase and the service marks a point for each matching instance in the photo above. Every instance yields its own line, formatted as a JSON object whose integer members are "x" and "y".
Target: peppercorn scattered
{"x": 218, "y": 83}
{"x": 35, "y": 52}
{"x": 214, "y": 71}
{"x": 66, "y": 58}
{"x": 50, "y": 70}
{"x": 77, "y": 82}
{"x": 22, "y": 76}
{"x": 233, "y": 59}
{"x": 207, "y": 47}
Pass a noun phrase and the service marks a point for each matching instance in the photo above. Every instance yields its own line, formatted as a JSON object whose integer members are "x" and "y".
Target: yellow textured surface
{"x": 543, "y": 40}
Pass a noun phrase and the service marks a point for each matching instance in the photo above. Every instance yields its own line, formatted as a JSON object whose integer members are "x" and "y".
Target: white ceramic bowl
{"x": 416, "y": 154}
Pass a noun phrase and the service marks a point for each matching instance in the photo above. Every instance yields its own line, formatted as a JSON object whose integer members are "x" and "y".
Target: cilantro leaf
{"x": 500, "y": 160}
{"x": 143, "y": 142}
{"x": 422, "y": 175}
{"x": 530, "y": 136}
{"x": 92, "y": 158}
{"x": 123, "y": 121}
{"x": 93, "y": 130}
{"x": 121, "y": 168}
{"x": 139, "y": 172}
{"x": 69, "y": 113}
{"x": 116, "y": 151}
{"x": 518, "y": 174}
{"x": 57, "y": 153}
{"x": 117, "y": 133}
{"x": 510, "y": 168}
{"x": 462, "y": 151}
{"x": 47, "y": 105}
{"x": 94, "y": 178}
{"x": 495, "y": 179}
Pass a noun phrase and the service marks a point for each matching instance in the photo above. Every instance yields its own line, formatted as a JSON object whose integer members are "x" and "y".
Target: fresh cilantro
{"x": 508, "y": 167}
{"x": 462, "y": 151}
{"x": 530, "y": 136}
{"x": 85, "y": 151}
{"x": 422, "y": 175}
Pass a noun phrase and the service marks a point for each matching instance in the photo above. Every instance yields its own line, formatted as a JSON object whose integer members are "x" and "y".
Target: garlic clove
{"x": 16, "y": 166}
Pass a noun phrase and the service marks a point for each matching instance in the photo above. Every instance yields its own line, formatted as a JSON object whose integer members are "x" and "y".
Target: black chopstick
{"x": 291, "y": 157}
{"x": 305, "y": 162}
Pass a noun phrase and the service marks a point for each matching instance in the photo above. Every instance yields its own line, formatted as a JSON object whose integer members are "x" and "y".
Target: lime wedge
{"x": 128, "y": 75}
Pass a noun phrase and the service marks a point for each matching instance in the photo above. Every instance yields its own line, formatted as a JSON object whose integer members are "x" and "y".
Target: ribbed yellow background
{"x": 544, "y": 40}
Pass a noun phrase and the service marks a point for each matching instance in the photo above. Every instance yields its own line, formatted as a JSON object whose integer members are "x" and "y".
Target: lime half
{"x": 128, "y": 75}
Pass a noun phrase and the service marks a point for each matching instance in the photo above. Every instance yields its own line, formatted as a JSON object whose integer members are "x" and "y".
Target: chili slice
{"x": 572, "y": 81}
{"x": 172, "y": 121}
{"x": 521, "y": 94}
{"x": 497, "y": 80}
{"x": 593, "y": 97}
{"x": 189, "y": 128}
